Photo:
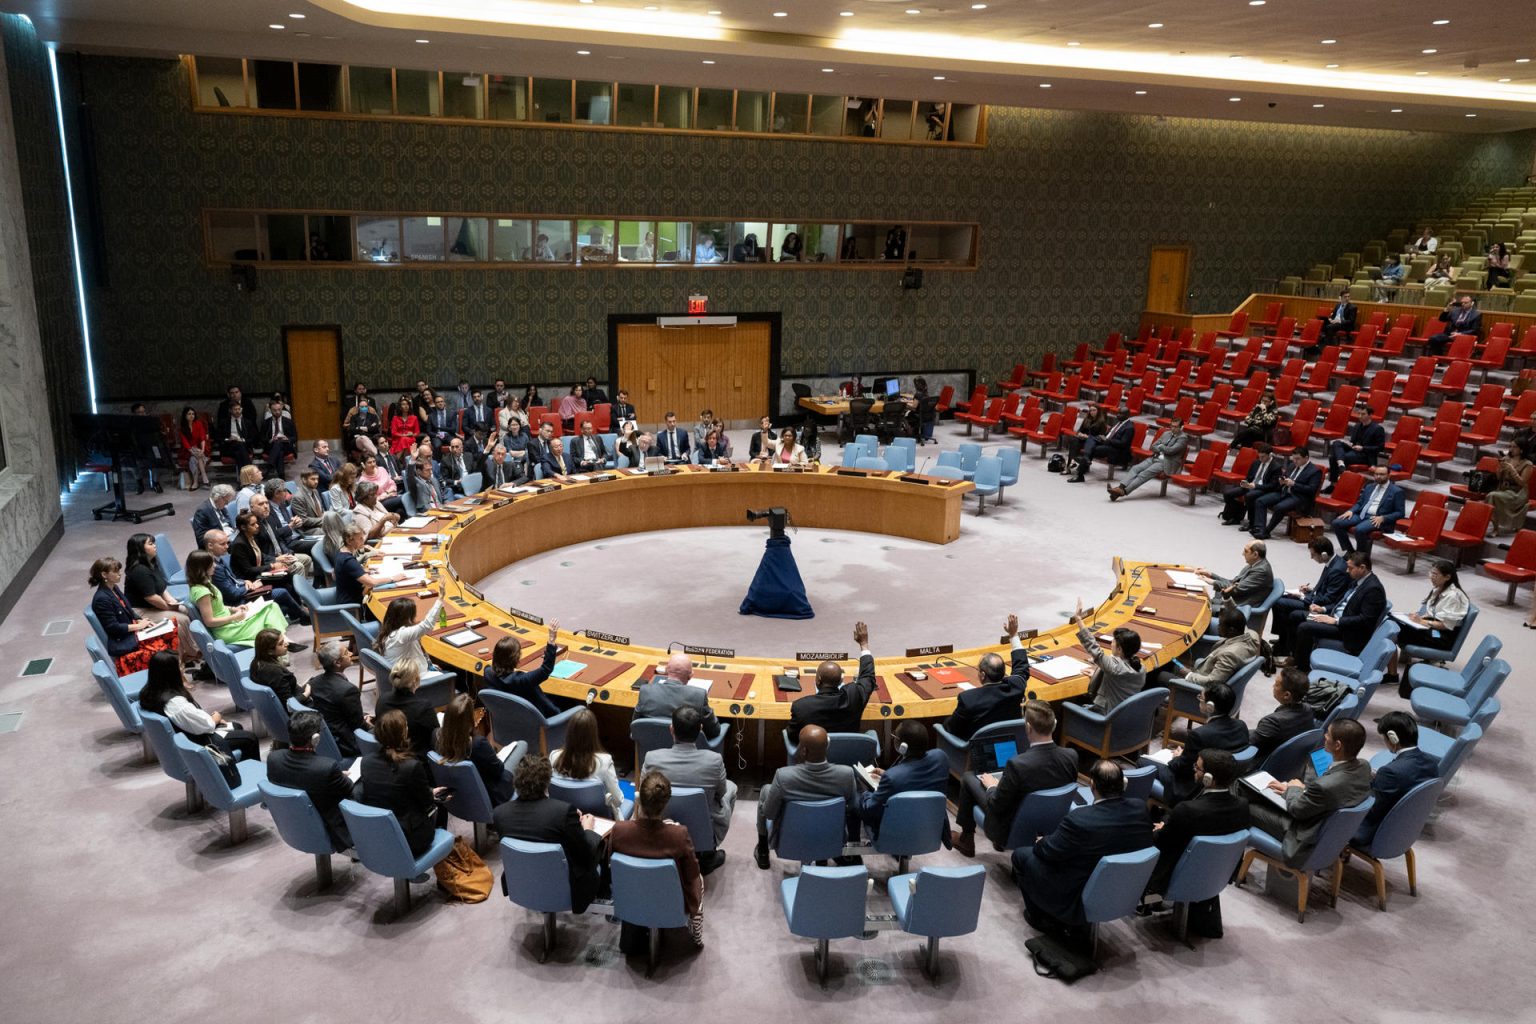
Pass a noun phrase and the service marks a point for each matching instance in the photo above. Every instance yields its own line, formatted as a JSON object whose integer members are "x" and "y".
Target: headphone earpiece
{"x": 901, "y": 750}
{"x": 1206, "y": 780}
{"x": 1207, "y": 708}
{"x": 1392, "y": 737}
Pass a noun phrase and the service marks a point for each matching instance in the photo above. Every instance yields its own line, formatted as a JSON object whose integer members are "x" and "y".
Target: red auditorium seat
{"x": 1520, "y": 565}
{"x": 1239, "y": 471}
{"x": 1485, "y": 430}
{"x": 1271, "y": 315}
{"x": 1195, "y": 479}
{"x": 1237, "y": 328}
{"x": 1423, "y": 534}
{"x": 1345, "y": 493}
{"x": 1470, "y": 529}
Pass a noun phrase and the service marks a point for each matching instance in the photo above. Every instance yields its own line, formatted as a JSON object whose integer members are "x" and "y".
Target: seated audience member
{"x": 273, "y": 536}
{"x": 145, "y": 586}
{"x": 685, "y": 763}
{"x": 217, "y": 513}
{"x": 542, "y": 460}
{"x": 1117, "y": 674}
{"x": 1259, "y": 424}
{"x": 369, "y": 514}
{"x": 293, "y": 531}
{"x": 1113, "y": 445}
{"x": 537, "y": 817}
{"x": 278, "y": 436}
{"x": 338, "y": 701}
{"x": 396, "y": 778}
{"x": 343, "y": 489}
{"x": 1409, "y": 767}
{"x": 763, "y": 442}
{"x": 237, "y": 433}
{"x": 1237, "y": 646}
{"x": 672, "y": 440}
{"x": 594, "y": 395}
{"x": 707, "y": 422}
{"x": 714, "y": 448}
{"x": 401, "y": 631}
{"x": 333, "y": 532}
{"x": 1361, "y": 446}
{"x": 1299, "y": 483}
{"x": 1425, "y": 243}
{"x": 997, "y": 699}
{"x": 1091, "y": 428}
{"x": 246, "y": 559}
{"x": 583, "y": 759}
{"x": 1331, "y": 583}
{"x": 456, "y": 742}
{"x": 1252, "y": 583}
{"x": 813, "y": 778}
{"x": 1292, "y": 717}
{"x": 250, "y": 485}
{"x": 1392, "y": 274}
{"x": 1511, "y": 499}
{"x": 442, "y": 423}
{"x": 351, "y": 575}
{"x": 1352, "y": 619}
{"x": 502, "y": 469}
{"x": 571, "y": 405}
{"x": 835, "y": 707}
{"x": 361, "y": 428}
{"x": 194, "y": 441}
{"x": 1213, "y": 811}
{"x": 636, "y": 446}
{"x": 1460, "y": 316}
{"x": 788, "y": 450}
{"x": 1220, "y": 731}
{"x": 1167, "y": 457}
{"x": 297, "y": 766}
{"x": 477, "y": 415}
{"x": 405, "y": 426}
{"x": 587, "y": 449}
{"x": 502, "y": 673}
{"x": 511, "y": 412}
{"x": 425, "y": 491}
{"x": 1041, "y": 765}
{"x": 1261, "y": 480}
{"x": 419, "y": 714}
{"x": 374, "y": 471}
{"x": 113, "y": 611}
{"x": 323, "y": 463}
{"x": 1439, "y": 617}
{"x": 1051, "y": 874}
{"x": 1310, "y": 799}
{"x": 515, "y": 437}
{"x": 165, "y": 693}
{"x": 918, "y": 768}
{"x": 454, "y": 467}
{"x": 1442, "y": 270}
{"x": 235, "y": 626}
{"x": 623, "y": 410}
{"x": 236, "y": 591}
{"x": 810, "y": 443}
{"x": 270, "y": 667}
{"x": 560, "y": 456}
{"x": 1338, "y": 320}
{"x": 650, "y": 835}
{"x": 665, "y": 694}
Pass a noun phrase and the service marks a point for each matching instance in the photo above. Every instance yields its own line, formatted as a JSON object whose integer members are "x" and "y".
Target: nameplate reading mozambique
{"x": 709, "y": 652}
{"x": 923, "y": 652}
{"x": 607, "y": 638}
{"x": 536, "y": 620}
{"x": 822, "y": 656}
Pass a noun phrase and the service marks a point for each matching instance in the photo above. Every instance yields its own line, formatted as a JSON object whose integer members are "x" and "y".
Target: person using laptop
{"x": 1309, "y": 800}
{"x": 998, "y": 697}
{"x": 1041, "y": 765}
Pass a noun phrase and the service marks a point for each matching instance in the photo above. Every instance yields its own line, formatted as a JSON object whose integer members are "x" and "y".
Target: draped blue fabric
{"x": 777, "y": 592}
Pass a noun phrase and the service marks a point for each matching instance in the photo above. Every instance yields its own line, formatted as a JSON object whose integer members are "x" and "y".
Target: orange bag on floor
{"x": 463, "y": 875}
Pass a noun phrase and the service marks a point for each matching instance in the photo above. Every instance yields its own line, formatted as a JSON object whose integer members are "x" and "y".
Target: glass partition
{"x": 330, "y": 238}
{"x": 594, "y": 241}
{"x": 821, "y": 241}
{"x": 674, "y": 106}
{"x": 964, "y": 122}
{"x": 221, "y": 82}
{"x": 283, "y": 237}
{"x": 372, "y": 90}
{"x": 552, "y": 100}
{"x": 423, "y": 238}
{"x": 594, "y": 103}
{"x": 378, "y": 239}
{"x": 714, "y": 106}
{"x": 896, "y": 119}
{"x": 791, "y": 112}
{"x": 861, "y": 117}
{"x": 940, "y": 243}
{"x": 232, "y": 236}
{"x": 637, "y": 241}
{"x": 827, "y": 115}
{"x": 674, "y": 241}
{"x": 637, "y": 106}
{"x": 749, "y": 242}
{"x": 508, "y": 96}
{"x": 512, "y": 240}
{"x": 320, "y": 87}
{"x": 463, "y": 95}
{"x": 710, "y": 241}
{"x": 552, "y": 244}
{"x": 752, "y": 111}
{"x": 469, "y": 239}
{"x": 416, "y": 93}
{"x": 272, "y": 84}
{"x": 932, "y": 121}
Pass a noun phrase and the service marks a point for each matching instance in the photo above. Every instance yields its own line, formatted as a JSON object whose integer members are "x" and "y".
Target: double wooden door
{"x": 688, "y": 369}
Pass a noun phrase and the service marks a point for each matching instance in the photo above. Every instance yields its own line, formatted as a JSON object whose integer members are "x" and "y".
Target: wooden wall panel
{"x": 686, "y": 369}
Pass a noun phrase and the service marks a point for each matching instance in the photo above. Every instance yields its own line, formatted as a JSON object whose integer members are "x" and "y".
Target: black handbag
{"x": 1057, "y": 463}
{"x": 1482, "y": 481}
{"x": 227, "y": 766}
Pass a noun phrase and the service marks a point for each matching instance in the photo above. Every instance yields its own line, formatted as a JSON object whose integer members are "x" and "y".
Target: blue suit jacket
{"x": 672, "y": 444}
{"x": 1306, "y": 485}
{"x": 1331, "y": 583}
{"x": 1054, "y": 871}
{"x": 230, "y": 587}
{"x": 1391, "y": 784}
{"x": 209, "y": 518}
{"x": 929, "y": 772}
{"x": 1393, "y": 505}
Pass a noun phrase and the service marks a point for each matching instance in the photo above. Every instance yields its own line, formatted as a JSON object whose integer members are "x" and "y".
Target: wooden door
{"x": 1168, "y": 278}
{"x": 687, "y": 369}
{"x": 314, "y": 380}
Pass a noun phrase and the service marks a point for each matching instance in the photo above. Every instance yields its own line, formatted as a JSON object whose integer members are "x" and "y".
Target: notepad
{"x": 1188, "y": 580}
{"x": 1161, "y": 756}
{"x": 463, "y": 638}
{"x": 567, "y": 669}
{"x": 602, "y": 826}
{"x": 159, "y": 629}
{"x": 863, "y": 771}
{"x": 1259, "y": 783}
{"x": 948, "y": 676}
{"x": 415, "y": 522}
{"x": 1063, "y": 666}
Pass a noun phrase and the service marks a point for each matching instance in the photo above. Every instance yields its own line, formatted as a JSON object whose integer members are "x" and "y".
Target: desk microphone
{"x": 591, "y": 696}
{"x": 923, "y": 470}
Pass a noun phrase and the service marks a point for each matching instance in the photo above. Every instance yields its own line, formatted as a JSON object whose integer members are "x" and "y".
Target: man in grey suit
{"x": 813, "y": 779}
{"x": 660, "y": 697}
{"x": 1311, "y": 799}
{"x": 1167, "y": 457}
{"x": 1252, "y": 583}
{"x": 685, "y": 764}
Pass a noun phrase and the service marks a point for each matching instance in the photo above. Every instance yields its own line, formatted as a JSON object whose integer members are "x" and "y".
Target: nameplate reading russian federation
{"x": 607, "y": 638}
{"x": 923, "y": 652}
{"x": 709, "y": 652}
{"x": 536, "y": 620}
{"x": 822, "y": 656}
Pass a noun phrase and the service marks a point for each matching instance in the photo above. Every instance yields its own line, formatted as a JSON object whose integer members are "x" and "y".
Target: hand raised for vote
{"x": 1011, "y": 627}
{"x": 861, "y": 635}
{"x": 554, "y": 628}
{"x": 1077, "y": 616}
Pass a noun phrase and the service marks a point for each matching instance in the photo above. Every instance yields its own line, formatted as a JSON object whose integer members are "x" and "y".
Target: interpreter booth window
{"x": 715, "y": 109}
{"x": 749, "y": 242}
{"x": 320, "y": 87}
{"x": 463, "y": 95}
{"x": 553, "y": 241}
{"x": 637, "y": 106}
{"x": 378, "y": 239}
{"x": 791, "y": 112}
{"x": 674, "y": 241}
{"x": 932, "y": 121}
{"x": 469, "y": 239}
{"x": 752, "y": 111}
{"x": 594, "y": 103}
{"x": 964, "y": 122}
{"x": 272, "y": 84}
{"x": 417, "y": 93}
{"x": 804, "y": 243}
{"x": 508, "y": 97}
{"x": 330, "y": 239}
{"x": 552, "y": 100}
{"x": 896, "y": 119}
{"x": 940, "y": 243}
{"x": 674, "y": 106}
{"x": 827, "y": 115}
{"x": 284, "y": 237}
{"x": 711, "y": 241}
{"x": 594, "y": 241}
{"x": 372, "y": 90}
{"x": 861, "y": 117}
{"x": 232, "y": 237}
{"x": 512, "y": 240}
{"x": 423, "y": 239}
{"x": 221, "y": 82}
{"x": 637, "y": 241}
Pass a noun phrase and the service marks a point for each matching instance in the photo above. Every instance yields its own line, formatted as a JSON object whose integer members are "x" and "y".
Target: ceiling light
{"x": 1074, "y": 44}
{"x": 845, "y": 14}
{"x": 423, "y": 40}
{"x": 652, "y": 7}
{"x": 1522, "y": 60}
{"x": 1045, "y": 85}
{"x": 1503, "y": 80}
{"x": 1329, "y": 42}
{"x": 709, "y": 62}
{"x": 714, "y": 14}
{"x": 1330, "y": 65}
{"x": 1155, "y": 24}
{"x": 1235, "y": 57}
{"x": 1255, "y": 3}
{"x": 1141, "y": 92}
{"x": 1234, "y": 99}
{"x": 278, "y": 27}
{"x": 1421, "y": 72}
{"x": 588, "y": 1}
{"x": 828, "y": 70}
{"x": 1471, "y": 115}
{"x": 1397, "y": 110}
{"x": 583, "y": 53}
{"x": 297, "y": 17}
{"x": 1430, "y": 50}
{"x": 913, "y": 10}
{"x": 978, "y": 7}
{"x": 938, "y": 78}
{"x": 1442, "y": 21}
{"x": 1317, "y": 106}
{"x": 781, "y": 14}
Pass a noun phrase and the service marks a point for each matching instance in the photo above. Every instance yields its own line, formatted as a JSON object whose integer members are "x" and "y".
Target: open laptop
{"x": 1001, "y": 753}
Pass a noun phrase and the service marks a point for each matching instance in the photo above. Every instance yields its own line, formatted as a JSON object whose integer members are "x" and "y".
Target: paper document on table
{"x": 567, "y": 668}
{"x": 415, "y": 522}
{"x": 1181, "y": 578}
{"x": 1108, "y": 638}
{"x": 511, "y": 489}
{"x": 863, "y": 771}
{"x": 1063, "y": 666}
{"x": 159, "y": 629}
{"x": 1161, "y": 756}
{"x": 1398, "y": 536}
{"x": 1259, "y": 783}
{"x": 702, "y": 684}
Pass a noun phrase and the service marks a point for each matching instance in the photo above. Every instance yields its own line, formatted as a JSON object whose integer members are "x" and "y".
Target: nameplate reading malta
{"x": 822, "y": 656}
{"x": 923, "y": 652}
{"x": 607, "y": 638}
{"x": 710, "y": 652}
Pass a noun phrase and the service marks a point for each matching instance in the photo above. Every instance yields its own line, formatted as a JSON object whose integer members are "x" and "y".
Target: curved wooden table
{"x": 479, "y": 540}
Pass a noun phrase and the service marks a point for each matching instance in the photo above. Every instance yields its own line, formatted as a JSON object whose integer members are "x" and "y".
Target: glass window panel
{"x": 940, "y": 243}
{"x": 272, "y": 84}
{"x": 749, "y": 241}
{"x": 423, "y": 238}
{"x": 330, "y": 239}
{"x": 827, "y": 115}
{"x": 372, "y": 91}
{"x": 821, "y": 241}
{"x": 781, "y": 234}
{"x": 752, "y": 111}
{"x": 711, "y": 241}
{"x": 896, "y": 119}
{"x": 930, "y": 121}
{"x": 416, "y": 93}
{"x": 319, "y": 86}
{"x": 553, "y": 243}
{"x": 220, "y": 82}
{"x": 675, "y": 107}
{"x": 862, "y": 242}
{"x": 594, "y": 103}
{"x": 232, "y": 236}
{"x": 674, "y": 241}
{"x": 509, "y": 97}
{"x": 637, "y": 105}
{"x": 378, "y": 239}
{"x": 714, "y": 109}
{"x": 283, "y": 235}
{"x": 594, "y": 241}
{"x": 463, "y": 94}
{"x": 512, "y": 239}
{"x": 469, "y": 239}
{"x": 790, "y": 111}
{"x": 552, "y": 100}
{"x": 637, "y": 241}
{"x": 861, "y": 117}
{"x": 964, "y": 121}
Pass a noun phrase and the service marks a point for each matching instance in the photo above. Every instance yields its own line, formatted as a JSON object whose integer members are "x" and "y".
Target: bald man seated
{"x": 812, "y": 779}
{"x": 835, "y": 707}
{"x": 665, "y": 694}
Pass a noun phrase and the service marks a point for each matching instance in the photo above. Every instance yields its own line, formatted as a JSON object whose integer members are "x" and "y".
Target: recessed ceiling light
{"x": 1397, "y": 110}
{"x": 1421, "y": 72}
{"x": 652, "y": 7}
{"x": 1235, "y": 56}
{"x": 423, "y": 40}
{"x": 978, "y": 7}
{"x": 1155, "y": 24}
{"x": 297, "y": 17}
{"x": 845, "y": 14}
{"x": 1234, "y": 99}
{"x": 1141, "y": 92}
{"x": 1471, "y": 115}
{"x": 1329, "y": 42}
{"x": 913, "y": 10}
{"x": 713, "y": 13}
{"x": 1503, "y": 79}
{"x": 1317, "y": 106}
{"x": 1430, "y": 50}
{"x": 938, "y": 78}
{"x": 781, "y": 14}
{"x": 583, "y": 53}
{"x": 1255, "y": 3}
{"x": 828, "y": 70}
{"x": 1330, "y": 65}
{"x": 1442, "y": 21}
{"x": 1045, "y": 85}
{"x": 1074, "y": 43}
{"x": 588, "y": 1}
{"x": 278, "y": 27}
{"x": 708, "y": 62}
{"x": 1522, "y": 60}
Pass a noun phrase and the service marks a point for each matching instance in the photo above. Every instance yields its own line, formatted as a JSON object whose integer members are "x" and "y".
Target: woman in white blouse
{"x": 513, "y": 410}
{"x": 1438, "y": 619}
{"x": 400, "y": 634}
{"x": 165, "y": 693}
{"x": 583, "y": 758}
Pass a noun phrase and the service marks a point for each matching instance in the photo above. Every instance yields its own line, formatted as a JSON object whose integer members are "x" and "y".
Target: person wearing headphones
{"x": 1291, "y": 718}
{"x": 918, "y": 767}
{"x": 1409, "y": 767}
{"x": 997, "y": 699}
{"x": 1041, "y": 765}
{"x": 1311, "y": 799}
{"x": 1213, "y": 811}
{"x": 1181, "y": 777}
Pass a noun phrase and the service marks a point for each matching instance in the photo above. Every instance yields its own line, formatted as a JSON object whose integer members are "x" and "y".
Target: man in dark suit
{"x": 672, "y": 441}
{"x": 298, "y": 767}
{"x": 337, "y": 700}
{"x": 664, "y": 694}
{"x": 997, "y": 699}
{"x": 499, "y": 396}
{"x": 835, "y": 707}
{"x": 477, "y": 415}
{"x": 918, "y": 768}
{"x": 814, "y": 778}
{"x": 623, "y": 410}
{"x": 541, "y": 454}
{"x": 324, "y": 463}
{"x": 501, "y": 468}
{"x": 1351, "y": 620}
{"x": 278, "y": 436}
{"x": 1298, "y": 488}
{"x": 1263, "y": 478}
{"x": 442, "y": 423}
{"x": 1341, "y": 320}
{"x": 1053, "y": 872}
{"x": 588, "y": 453}
{"x": 1114, "y": 447}
{"x": 1220, "y": 731}
{"x": 453, "y": 468}
{"x": 1292, "y": 717}
{"x": 217, "y": 513}
{"x": 1408, "y": 767}
{"x": 1041, "y": 765}
{"x": 1214, "y": 811}
{"x": 1288, "y": 612}
{"x": 1380, "y": 506}
{"x": 1461, "y": 316}
{"x": 1253, "y": 581}
{"x": 235, "y": 430}
{"x": 232, "y": 397}
{"x": 537, "y": 817}
{"x": 1360, "y": 447}
{"x": 1310, "y": 799}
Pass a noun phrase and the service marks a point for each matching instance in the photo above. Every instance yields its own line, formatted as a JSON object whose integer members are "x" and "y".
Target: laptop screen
{"x": 892, "y": 387}
{"x": 1004, "y": 751}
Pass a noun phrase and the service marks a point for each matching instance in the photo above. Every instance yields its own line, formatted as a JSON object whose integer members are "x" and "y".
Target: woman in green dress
{"x": 236, "y": 625}
{"x": 1512, "y": 497}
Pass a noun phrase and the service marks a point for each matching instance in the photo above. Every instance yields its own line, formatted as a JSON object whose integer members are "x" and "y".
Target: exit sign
{"x": 698, "y": 305}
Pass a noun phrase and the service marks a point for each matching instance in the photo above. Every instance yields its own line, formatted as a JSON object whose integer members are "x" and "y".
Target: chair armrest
{"x": 955, "y": 749}
{"x": 718, "y": 743}
{"x": 353, "y": 608}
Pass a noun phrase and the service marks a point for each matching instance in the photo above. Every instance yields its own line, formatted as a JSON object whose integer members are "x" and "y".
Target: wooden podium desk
{"x": 834, "y": 405}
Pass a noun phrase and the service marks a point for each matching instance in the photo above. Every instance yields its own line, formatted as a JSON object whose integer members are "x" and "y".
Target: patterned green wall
{"x": 1069, "y": 203}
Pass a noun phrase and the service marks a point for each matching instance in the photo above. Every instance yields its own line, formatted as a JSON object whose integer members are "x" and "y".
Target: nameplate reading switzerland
{"x": 822, "y": 656}
{"x": 923, "y": 652}
{"x": 709, "y": 652}
{"x": 607, "y": 638}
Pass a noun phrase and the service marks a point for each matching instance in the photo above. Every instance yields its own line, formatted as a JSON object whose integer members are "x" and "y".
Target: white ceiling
{"x": 1002, "y": 54}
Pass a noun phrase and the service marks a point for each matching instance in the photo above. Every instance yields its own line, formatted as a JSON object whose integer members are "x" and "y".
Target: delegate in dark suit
{"x": 116, "y": 616}
{"x": 1251, "y": 585}
{"x": 321, "y": 778}
{"x": 1297, "y": 490}
{"x": 235, "y": 438}
{"x": 341, "y": 705}
{"x": 986, "y": 705}
{"x": 587, "y": 453}
{"x": 1360, "y": 447}
{"x": 672, "y": 444}
{"x": 1053, "y": 872}
{"x": 208, "y": 517}
{"x": 1214, "y": 812}
{"x": 554, "y": 821}
{"x": 1341, "y": 319}
{"x": 1288, "y": 612}
{"x": 1114, "y": 447}
{"x": 541, "y": 457}
{"x": 1392, "y": 782}
{"x": 1356, "y": 617}
{"x": 278, "y": 437}
{"x": 1459, "y": 318}
{"x": 1281, "y": 724}
{"x": 835, "y": 708}
{"x": 1043, "y": 765}
{"x": 1263, "y": 478}
{"x": 660, "y": 697}
{"x": 405, "y": 789}
{"x": 927, "y": 773}
{"x": 1380, "y": 506}
{"x": 1220, "y": 732}
{"x": 526, "y": 684}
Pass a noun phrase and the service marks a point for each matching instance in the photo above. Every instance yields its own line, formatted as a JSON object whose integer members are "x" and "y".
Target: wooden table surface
{"x": 835, "y": 405}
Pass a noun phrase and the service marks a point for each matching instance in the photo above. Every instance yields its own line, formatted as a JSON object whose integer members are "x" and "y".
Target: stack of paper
{"x": 1186, "y": 580}
{"x": 415, "y": 522}
{"x": 865, "y": 772}
{"x": 1259, "y": 783}
{"x": 1063, "y": 666}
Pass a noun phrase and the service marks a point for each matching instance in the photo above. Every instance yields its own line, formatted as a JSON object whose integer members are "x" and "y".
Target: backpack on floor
{"x": 1054, "y": 959}
{"x": 1057, "y": 463}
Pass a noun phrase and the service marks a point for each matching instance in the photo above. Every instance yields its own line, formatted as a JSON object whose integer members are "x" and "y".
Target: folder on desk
{"x": 948, "y": 676}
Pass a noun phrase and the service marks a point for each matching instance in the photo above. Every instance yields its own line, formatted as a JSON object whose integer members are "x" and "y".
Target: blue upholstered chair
{"x": 938, "y": 903}
{"x": 436, "y": 686}
{"x": 951, "y": 458}
{"x": 589, "y": 796}
{"x": 869, "y": 442}
{"x": 1203, "y": 871}
{"x": 1127, "y": 728}
{"x": 1394, "y": 837}
{"x": 1347, "y": 668}
{"x": 944, "y": 472}
{"x": 689, "y": 807}
{"x": 1257, "y": 613}
{"x": 812, "y": 830}
{"x": 852, "y": 453}
{"x": 474, "y": 483}
{"x": 656, "y": 734}
{"x": 825, "y": 904}
{"x": 895, "y": 459}
{"x": 1114, "y": 889}
{"x": 843, "y": 747}
{"x": 381, "y": 847}
{"x": 469, "y": 800}
{"x": 1452, "y": 752}
{"x": 871, "y": 463}
{"x": 1184, "y": 696}
{"x": 913, "y": 824}
{"x": 987, "y": 481}
{"x": 326, "y": 747}
{"x": 215, "y": 790}
{"x": 123, "y": 706}
{"x": 322, "y": 560}
{"x": 269, "y": 710}
{"x": 959, "y": 751}
{"x": 1417, "y": 652}
{"x": 513, "y": 719}
{"x": 1039, "y": 813}
{"x": 538, "y": 879}
{"x": 165, "y": 554}
{"x": 366, "y": 743}
{"x": 1437, "y": 706}
{"x": 648, "y": 893}
{"x": 325, "y": 608}
{"x": 162, "y": 737}
{"x": 1285, "y": 761}
{"x": 1456, "y": 681}
{"x": 1349, "y": 707}
{"x": 1141, "y": 783}
{"x": 970, "y": 455}
{"x": 300, "y": 825}
{"x": 129, "y": 684}
{"x": 908, "y": 446}
{"x": 1331, "y": 839}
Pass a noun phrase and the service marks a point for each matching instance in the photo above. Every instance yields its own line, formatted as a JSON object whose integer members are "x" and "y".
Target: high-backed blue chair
{"x": 363, "y": 636}
{"x": 951, "y": 458}
{"x": 162, "y": 736}
{"x": 436, "y": 686}
{"x": 1038, "y": 815}
{"x": 987, "y": 481}
{"x": 656, "y": 734}
{"x": 230, "y": 669}
{"x": 269, "y": 710}
{"x": 123, "y": 706}
{"x": 689, "y": 807}
{"x": 869, "y": 442}
{"x": 1010, "y": 457}
{"x": 1184, "y": 696}
{"x": 468, "y": 800}
{"x": 1349, "y": 707}
{"x": 200, "y": 635}
{"x": 129, "y": 684}
{"x": 323, "y": 561}
{"x": 825, "y": 904}
{"x": 970, "y": 455}
{"x": 852, "y": 453}
{"x": 908, "y": 447}
{"x": 1419, "y": 652}
{"x": 96, "y": 627}
{"x": 1331, "y": 838}
{"x": 938, "y": 903}
{"x": 648, "y": 893}
{"x": 589, "y": 796}
{"x": 215, "y": 790}
{"x": 513, "y": 719}
{"x": 1114, "y": 889}
{"x": 1394, "y": 837}
{"x": 843, "y": 747}
{"x": 1452, "y": 755}
{"x": 944, "y": 472}
{"x": 408, "y": 501}
{"x": 1127, "y": 728}
{"x": 871, "y": 464}
{"x": 381, "y": 847}
{"x": 325, "y": 608}
{"x": 913, "y": 824}
{"x": 165, "y": 554}
{"x": 1257, "y": 613}
{"x": 300, "y": 825}
{"x": 326, "y": 747}
{"x": 812, "y": 830}
{"x": 366, "y": 743}
{"x": 1202, "y": 872}
{"x": 959, "y": 750}
{"x": 1285, "y": 761}
{"x": 611, "y": 446}
{"x": 1141, "y": 783}
{"x": 537, "y": 879}
{"x": 1456, "y": 681}
{"x": 1437, "y": 706}
{"x": 1348, "y": 668}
